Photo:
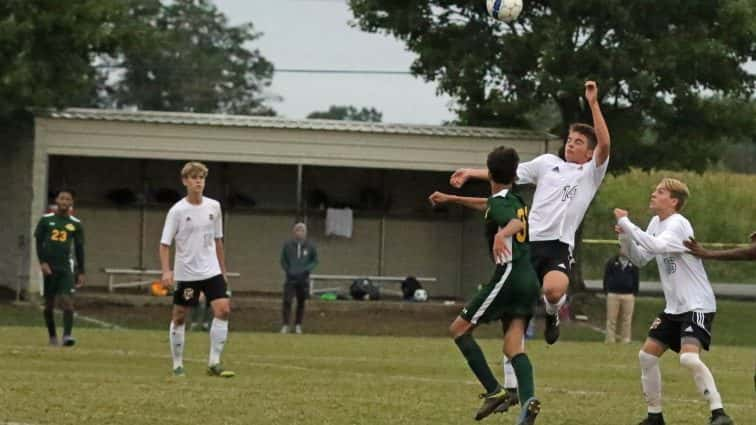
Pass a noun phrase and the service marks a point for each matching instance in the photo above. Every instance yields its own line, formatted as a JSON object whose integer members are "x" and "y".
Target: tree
{"x": 348, "y": 113}
{"x": 670, "y": 71}
{"x": 191, "y": 60}
{"x": 47, "y": 48}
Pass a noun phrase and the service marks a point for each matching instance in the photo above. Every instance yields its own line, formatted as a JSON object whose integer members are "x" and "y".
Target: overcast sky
{"x": 314, "y": 34}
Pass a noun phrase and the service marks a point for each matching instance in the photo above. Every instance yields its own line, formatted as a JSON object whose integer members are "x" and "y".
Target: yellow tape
{"x": 705, "y": 244}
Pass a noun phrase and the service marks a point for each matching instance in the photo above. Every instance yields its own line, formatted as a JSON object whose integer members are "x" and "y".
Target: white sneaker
{"x": 285, "y": 329}
{"x": 298, "y": 329}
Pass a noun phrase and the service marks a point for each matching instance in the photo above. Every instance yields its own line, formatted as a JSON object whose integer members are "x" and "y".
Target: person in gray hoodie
{"x": 298, "y": 258}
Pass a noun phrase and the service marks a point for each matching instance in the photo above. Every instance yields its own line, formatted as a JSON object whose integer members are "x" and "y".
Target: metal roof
{"x": 186, "y": 118}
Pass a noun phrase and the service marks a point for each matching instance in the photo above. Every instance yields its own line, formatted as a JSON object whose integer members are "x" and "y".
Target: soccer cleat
{"x": 179, "y": 372}
{"x": 491, "y": 402}
{"x": 217, "y": 370}
{"x": 298, "y": 329}
{"x": 529, "y": 411}
{"x": 68, "y": 341}
{"x": 551, "y": 333}
{"x": 721, "y": 420}
{"x": 54, "y": 341}
{"x": 284, "y": 329}
{"x": 657, "y": 419}
{"x": 512, "y": 400}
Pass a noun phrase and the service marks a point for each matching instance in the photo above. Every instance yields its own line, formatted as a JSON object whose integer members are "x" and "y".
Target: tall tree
{"x": 191, "y": 59}
{"x": 670, "y": 72}
{"x": 348, "y": 113}
{"x": 47, "y": 48}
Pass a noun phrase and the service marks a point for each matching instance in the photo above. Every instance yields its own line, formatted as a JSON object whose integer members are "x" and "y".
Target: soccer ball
{"x": 421, "y": 295}
{"x": 504, "y": 10}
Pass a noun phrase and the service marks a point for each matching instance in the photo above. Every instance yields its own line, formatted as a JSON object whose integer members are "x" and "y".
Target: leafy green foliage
{"x": 653, "y": 61}
{"x": 348, "y": 113}
{"x": 191, "y": 60}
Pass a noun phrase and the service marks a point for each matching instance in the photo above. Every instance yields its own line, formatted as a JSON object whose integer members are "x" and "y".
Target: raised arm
{"x": 438, "y": 198}
{"x": 461, "y": 176}
{"x": 603, "y": 141}
{"x": 668, "y": 242}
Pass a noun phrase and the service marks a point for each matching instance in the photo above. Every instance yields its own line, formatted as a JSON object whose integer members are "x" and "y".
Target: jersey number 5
{"x": 522, "y": 214}
{"x": 59, "y": 235}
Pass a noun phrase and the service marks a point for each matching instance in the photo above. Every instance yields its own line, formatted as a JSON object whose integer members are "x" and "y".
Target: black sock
{"x": 477, "y": 362}
{"x": 67, "y": 322}
{"x": 717, "y": 413}
{"x": 50, "y": 322}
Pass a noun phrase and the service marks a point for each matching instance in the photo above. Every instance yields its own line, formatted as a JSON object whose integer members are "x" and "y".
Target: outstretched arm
{"x": 603, "y": 141}
{"x": 478, "y": 204}
{"x": 461, "y": 176}
{"x": 747, "y": 253}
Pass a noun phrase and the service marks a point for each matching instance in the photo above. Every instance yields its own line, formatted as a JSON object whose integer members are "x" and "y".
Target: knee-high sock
{"x": 68, "y": 320}
{"x": 218, "y": 335}
{"x": 49, "y": 316}
{"x": 477, "y": 362}
{"x": 176, "y": 336}
{"x": 524, "y": 371}
{"x": 651, "y": 381}
{"x": 510, "y": 377}
{"x": 703, "y": 378}
{"x": 553, "y": 309}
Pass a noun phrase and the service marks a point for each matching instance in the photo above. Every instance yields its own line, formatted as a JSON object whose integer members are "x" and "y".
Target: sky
{"x": 314, "y": 34}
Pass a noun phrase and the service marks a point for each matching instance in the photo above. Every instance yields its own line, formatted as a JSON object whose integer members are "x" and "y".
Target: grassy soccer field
{"x": 123, "y": 377}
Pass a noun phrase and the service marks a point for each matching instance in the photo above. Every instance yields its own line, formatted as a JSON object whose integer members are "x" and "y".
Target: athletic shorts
{"x": 512, "y": 292}
{"x": 59, "y": 283}
{"x": 549, "y": 256}
{"x": 187, "y": 293}
{"x": 669, "y": 329}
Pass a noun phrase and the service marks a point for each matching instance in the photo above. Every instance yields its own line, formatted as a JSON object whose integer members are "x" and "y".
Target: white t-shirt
{"x": 564, "y": 190}
{"x": 684, "y": 281}
{"x": 195, "y": 229}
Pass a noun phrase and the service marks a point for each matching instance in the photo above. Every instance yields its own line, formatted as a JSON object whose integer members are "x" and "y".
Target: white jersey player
{"x": 196, "y": 225}
{"x": 685, "y": 325}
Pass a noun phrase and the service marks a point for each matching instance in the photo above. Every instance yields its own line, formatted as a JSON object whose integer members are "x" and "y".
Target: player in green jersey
{"x": 510, "y": 295}
{"x": 56, "y": 234}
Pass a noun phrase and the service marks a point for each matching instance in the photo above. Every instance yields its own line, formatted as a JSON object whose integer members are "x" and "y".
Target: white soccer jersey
{"x": 195, "y": 229}
{"x": 564, "y": 190}
{"x": 683, "y": 277}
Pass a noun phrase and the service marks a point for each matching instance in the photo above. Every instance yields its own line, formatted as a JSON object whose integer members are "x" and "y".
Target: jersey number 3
{"x": 59, "y": 235}
{"x": 522, "y": 214}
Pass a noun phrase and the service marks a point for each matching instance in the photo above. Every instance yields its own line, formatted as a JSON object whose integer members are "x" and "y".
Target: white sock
{"x": 651, "y": 381}
{"x": 553, "y": 309}
{"x": 510, "y": 378}
{"x": 176, "y": 336}
{"x": 218, "y": 335}
{"x": 703, "y": 378}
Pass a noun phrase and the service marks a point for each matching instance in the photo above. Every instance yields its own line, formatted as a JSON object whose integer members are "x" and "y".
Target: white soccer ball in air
{"x": 504, "y": 10}
{"x": 421, "y": 295}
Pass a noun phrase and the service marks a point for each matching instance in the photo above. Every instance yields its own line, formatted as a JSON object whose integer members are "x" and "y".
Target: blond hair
{"x": 193, "y": 168}
{"x": 677, "y": 190}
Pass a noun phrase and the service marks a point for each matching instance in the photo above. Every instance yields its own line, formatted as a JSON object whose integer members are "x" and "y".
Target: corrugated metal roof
{"x": 184, "y": 118}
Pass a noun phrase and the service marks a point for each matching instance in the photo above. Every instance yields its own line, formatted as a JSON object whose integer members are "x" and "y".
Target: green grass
{"x": 123, "y": 377}
{"x": 720, "y": 207}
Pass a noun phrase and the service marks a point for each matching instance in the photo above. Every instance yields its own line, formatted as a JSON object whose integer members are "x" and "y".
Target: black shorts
{"x": 187, "y": 293}
{"x": 669, "y": 329}
{"x": 547, "y": 256}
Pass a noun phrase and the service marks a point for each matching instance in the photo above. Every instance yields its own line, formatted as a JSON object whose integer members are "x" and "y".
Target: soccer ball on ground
{"x": 504, "y": 10}
{"x": 421, "y": 295}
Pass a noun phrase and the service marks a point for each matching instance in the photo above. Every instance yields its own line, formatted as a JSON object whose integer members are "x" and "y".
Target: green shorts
{"x": 59, "y": 283}
{"x": 512, "y": 292}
